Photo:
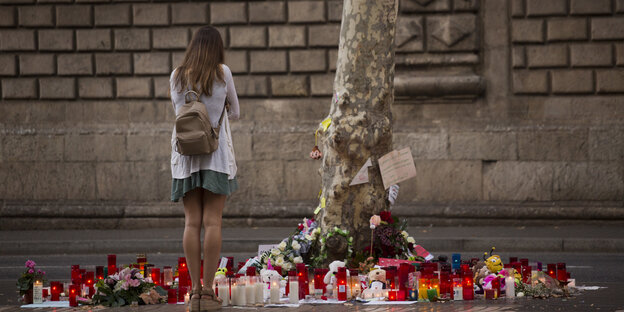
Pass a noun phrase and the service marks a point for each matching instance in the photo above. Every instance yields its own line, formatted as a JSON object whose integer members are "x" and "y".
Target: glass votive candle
{"x": 172, "y": 296}
{"x": 392, "y": 295}
{"x": 74, "y": 291}
{"x": 182, "y": 290}
{"x": 167, "y": 276}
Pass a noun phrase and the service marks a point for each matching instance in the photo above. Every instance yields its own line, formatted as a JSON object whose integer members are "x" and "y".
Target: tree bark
{"x": 361, "y": 122}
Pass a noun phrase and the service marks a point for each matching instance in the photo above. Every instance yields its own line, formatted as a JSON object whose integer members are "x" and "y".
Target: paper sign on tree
{"x": 362, "y": 175}
{"x": 397, "y": 166}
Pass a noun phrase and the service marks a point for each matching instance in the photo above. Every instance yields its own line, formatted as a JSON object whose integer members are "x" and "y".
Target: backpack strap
{"x": 186, "y": 95}
{"x": 221, "y": 118}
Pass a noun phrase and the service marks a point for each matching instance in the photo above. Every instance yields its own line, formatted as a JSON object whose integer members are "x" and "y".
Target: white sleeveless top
{"x": 223, "y": 159}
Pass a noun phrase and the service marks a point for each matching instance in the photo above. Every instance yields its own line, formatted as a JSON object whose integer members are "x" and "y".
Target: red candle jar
{"x": 278, "y": 269}
{"x": 55, "y": 291}
{"x": 467, "y": 287}
{"x": 490, "y": 294}
{"x": 251, "y": 271}
{"x": 172, "y": 296}
{"x": 401, "y": 294}
{"x": 403, "y": 274}
{"x": 496, "y": 287}
{"x": 112, "y": 264}
{"x": 392, "y": 295}
{"x": 341, "y": 281}
{"x": 182, "y": 264}
{"x": 75, "y": 274}
{"x": 302, "y": 275}
{"x": 183, "y": 277}
{"x": 445, "y": 284}
{"x": 44, "y": 292}
{"x": 526, "y": 274}
{"x": 99, "y": 272}
{"x": 390, "y": 277}
{"x": 524, "y": 262}
{"x": 513, "y": 259}
{"x": 552, "y": 270}
{"x": 90, "y": 280}
{"x": 181, "y": 292}
{"x": 561, "y": 272}
{"x": 319, "y": 283}
{"x": 156, "y": 276}
{"x": 74, "y": 290}
{"x": 83, "y": 276}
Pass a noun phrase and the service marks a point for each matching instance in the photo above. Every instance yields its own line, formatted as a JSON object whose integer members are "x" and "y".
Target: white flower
{"x": 282, "y": 246}
{"x": 295, "y": 245}
{"x": 405, "y": 234}
{"x": 279, "y": 261}
{"x": 287, "y": 266}
{"x": 309, "y": 237}
{"x": 298, "y": 260}
{"x": 411, "y": 240}
{"x": 317, "y": 230}
{"x": 275, "y": 251}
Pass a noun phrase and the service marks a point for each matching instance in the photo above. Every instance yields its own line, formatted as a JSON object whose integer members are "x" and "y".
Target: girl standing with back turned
{"x": 204, "y": 181}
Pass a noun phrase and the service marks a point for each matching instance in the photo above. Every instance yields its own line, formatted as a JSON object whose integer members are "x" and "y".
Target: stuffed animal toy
{"x": 376, "y": 281}
{"x": 316, "y": 153}
{"x": 220, "y": 274}
{"x": 333, "y": 269}
{"x": 268, "y": 273}
{"x": 490, "y": 265}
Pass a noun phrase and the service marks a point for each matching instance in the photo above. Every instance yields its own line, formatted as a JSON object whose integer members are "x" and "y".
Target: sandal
{"x": 209, "y": 300}
{"x": 194, "y": 302}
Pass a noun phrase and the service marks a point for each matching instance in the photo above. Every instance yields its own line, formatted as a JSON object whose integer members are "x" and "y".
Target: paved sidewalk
{"x": 578, "y": 238}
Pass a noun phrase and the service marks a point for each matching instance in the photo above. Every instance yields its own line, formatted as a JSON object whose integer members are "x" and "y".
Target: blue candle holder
{"x": 456, "y": 261}
{"x": 413, "y": 294}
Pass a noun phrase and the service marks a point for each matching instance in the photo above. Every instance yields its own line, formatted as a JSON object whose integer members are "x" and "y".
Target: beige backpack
{"x": 194, "y": 133}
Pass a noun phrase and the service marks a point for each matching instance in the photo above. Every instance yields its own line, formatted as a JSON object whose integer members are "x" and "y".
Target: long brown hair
{"x": 202, "y": 61}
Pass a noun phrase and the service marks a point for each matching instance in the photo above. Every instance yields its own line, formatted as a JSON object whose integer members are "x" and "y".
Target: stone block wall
{"x": 503, "y": 102}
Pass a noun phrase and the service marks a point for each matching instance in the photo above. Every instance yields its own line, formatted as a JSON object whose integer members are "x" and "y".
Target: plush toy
{"x": 269, "y": 272}
{"x": 220, "y": 274}
{"x": 316, "y": 153}
{"x": 376, "y": 281}
{"x": 333, "y": 269}
{"x": 490, "y": 265}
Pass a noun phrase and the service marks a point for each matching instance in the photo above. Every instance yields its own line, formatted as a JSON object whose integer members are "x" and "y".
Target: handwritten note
{"x": 397, "y": 166}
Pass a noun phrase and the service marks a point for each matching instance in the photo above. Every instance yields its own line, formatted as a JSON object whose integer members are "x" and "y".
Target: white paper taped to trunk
{"x": 362, "y": 175}
{"x": 397, "y": 166}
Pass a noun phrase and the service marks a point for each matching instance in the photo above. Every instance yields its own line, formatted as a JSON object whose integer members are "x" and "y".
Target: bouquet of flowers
{"x": 125, "y": 287}
{"x": 297, "y": 248}
{"x": 29, "y": 276}
{"x": 390, "y": 238}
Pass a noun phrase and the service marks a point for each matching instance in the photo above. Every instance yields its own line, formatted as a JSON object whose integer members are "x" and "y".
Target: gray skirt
{"x": 216, "y": 182}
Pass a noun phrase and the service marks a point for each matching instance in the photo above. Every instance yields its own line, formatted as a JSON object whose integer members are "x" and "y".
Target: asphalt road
{"x": 604, "y": 270}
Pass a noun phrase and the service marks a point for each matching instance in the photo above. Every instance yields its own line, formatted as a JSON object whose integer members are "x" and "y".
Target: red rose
{"x": 386, "y": 216}
{"x": 300, "y": 227}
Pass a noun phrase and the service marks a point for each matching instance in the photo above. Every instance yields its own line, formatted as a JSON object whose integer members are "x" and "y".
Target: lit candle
{"x": 552, "y": 270}
{"x": 341, "y": 281}
{"x": 467, "y": 287}
{"x": 73, "y": 292}
{"x": 413, "y": 294}
{"x": 457, "y": 289}
{"x": 422, "y": 289}
{"x": 155, "y": 273}
{"x": 238, "y": 292}
{"x": 112, "y": 264}
{"x": 89, "y": 283}
{"x": 293, "y": 289}
{"x": 510, "y": 284}
{"x": 55, "y": 291}
{"x": 38, "y": 291}
{"x": 167, "y": 276}
{"x": 223, "y": 287}
{"x": 401, "y": 294}
{"x": 187, "y": 298}
{"x": 392, "y": 295}
{"x": 234, "y": 293}
{"x": 275, "y": 290}
{"x": 260, "y": 285}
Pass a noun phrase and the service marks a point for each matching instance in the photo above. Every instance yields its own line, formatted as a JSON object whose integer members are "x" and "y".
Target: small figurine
{"x": 316, "y": 153}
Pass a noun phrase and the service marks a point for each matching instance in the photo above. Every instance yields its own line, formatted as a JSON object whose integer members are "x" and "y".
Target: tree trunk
{"x": 361, "y": 122}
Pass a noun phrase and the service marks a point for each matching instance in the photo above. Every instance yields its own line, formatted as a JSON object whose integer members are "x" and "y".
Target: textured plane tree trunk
{"x": 361, "y": 122}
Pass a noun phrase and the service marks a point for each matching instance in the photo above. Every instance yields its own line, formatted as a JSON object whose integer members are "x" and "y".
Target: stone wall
{"x": 514, "y": 105}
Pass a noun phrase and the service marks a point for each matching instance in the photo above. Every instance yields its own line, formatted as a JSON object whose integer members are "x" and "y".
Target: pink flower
{"x": 31, "y": 271}
{"x": 134, "y": 282}
{"x": 375, "y": 220}
{"x": 30, "y": 264}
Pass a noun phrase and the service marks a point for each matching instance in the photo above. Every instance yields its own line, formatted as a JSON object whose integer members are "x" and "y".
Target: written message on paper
{"x": 397, "y": 166}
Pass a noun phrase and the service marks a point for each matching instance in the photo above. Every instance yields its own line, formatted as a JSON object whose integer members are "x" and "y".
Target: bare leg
{"x": 213, "y": 209}
{"x": 192, "y": 233}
